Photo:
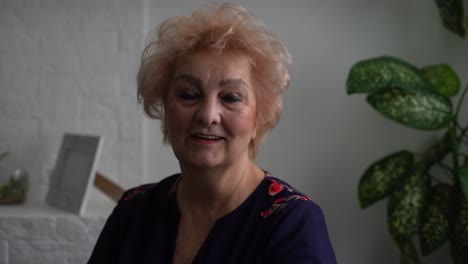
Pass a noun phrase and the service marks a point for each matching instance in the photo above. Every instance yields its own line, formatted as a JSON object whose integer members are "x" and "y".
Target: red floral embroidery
{"x": 275, "y": 188}
{"x": 279, "y": 200}
{"x": 266, "y": 213}
{"x": 140, "y": 190}
{"x": 281, "y": 203}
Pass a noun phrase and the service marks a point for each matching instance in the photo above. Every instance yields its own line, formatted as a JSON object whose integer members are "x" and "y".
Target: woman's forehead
{"x": 204, "y": 64}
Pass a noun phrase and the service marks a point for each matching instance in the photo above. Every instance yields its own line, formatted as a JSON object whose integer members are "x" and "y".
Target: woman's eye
{"x": 232, "y": 98}
{"x": 188, "y": 95}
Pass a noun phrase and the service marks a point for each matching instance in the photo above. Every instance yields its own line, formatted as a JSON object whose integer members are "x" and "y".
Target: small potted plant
{"x": 13, "y": 184}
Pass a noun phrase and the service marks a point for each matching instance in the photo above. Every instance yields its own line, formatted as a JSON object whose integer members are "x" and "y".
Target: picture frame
{"x": 74, "y": 172}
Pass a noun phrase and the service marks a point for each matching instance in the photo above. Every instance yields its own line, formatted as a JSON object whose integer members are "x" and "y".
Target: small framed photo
{"x": 74, "y": 172}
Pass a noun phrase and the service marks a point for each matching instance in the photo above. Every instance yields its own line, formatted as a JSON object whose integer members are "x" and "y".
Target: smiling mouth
{"x": 202, "y": 138}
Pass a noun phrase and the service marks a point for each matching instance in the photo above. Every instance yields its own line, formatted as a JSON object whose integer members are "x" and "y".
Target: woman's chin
{"x": 204, "y": 163}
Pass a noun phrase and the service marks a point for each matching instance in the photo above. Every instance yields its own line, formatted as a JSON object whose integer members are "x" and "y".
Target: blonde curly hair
{"x": 222, "y": 29}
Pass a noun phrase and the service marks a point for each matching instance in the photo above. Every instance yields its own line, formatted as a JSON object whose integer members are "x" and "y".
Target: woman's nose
{"x": 208, "y": 113}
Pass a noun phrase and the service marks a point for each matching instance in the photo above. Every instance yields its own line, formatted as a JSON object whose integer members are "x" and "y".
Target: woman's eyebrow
{"x": 188, "y": 77}
{"x": 239, "y": 82}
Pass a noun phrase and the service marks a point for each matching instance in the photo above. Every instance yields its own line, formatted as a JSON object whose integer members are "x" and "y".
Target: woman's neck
{"x": 215, "y": 192}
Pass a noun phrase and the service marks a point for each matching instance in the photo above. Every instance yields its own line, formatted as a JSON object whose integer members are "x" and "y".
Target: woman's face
{"x": 210, "y": 110}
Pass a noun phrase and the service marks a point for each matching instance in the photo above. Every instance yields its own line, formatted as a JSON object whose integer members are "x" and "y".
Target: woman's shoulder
{"x": 283, "y": 199}
{"x": 298, "y": 229}
{"x": 163, "y": 187}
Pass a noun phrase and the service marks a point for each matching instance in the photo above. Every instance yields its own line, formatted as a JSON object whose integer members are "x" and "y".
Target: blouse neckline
{"x": 217, "y": 223}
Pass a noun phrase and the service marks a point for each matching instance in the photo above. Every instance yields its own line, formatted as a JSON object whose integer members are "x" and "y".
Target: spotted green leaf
{"x": 420, "y": 110}
{"x": 443, "y": 78}
{"x": 451, "y": 13}
{"x": 435, "y": 230}
{"x": 409, "y": 254}
{"x": 460, "y": 234}
{"x": 379, "y": 179}
{"x": 379, "y": 73}
{"x": 406, "y": 204}
{"x": 463, "y": 177}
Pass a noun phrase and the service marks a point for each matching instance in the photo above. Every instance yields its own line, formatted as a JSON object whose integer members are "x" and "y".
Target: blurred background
{"x": 70, "y": 66}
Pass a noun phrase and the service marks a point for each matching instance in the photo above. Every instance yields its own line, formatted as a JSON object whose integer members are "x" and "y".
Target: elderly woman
{"x": 215, "y": 79}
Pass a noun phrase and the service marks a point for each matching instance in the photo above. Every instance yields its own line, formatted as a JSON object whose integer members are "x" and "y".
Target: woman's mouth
{"x": 206, "y": 139}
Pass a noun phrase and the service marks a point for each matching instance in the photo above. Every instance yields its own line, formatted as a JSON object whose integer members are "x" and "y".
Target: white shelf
{"x": 41, "y": 209}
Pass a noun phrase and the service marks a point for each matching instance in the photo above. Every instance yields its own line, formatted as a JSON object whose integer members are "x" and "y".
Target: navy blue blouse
{"x": 276, "y": 224}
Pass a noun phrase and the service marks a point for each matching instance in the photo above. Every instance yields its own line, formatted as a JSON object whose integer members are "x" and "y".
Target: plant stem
{"x": 454, "y": 140}
{"x": 446, "y": 167}
{"x": 460, "y": 101}
{"x": 463, "y": 133}
{"x": 454, "y": 145}
{"x": 436, "y": 152}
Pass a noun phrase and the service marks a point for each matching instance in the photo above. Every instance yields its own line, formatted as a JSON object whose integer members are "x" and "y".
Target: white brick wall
{"x": 70, "y": 66}
{"x": 63, "y": 239}
{"x": 67, "y": 66}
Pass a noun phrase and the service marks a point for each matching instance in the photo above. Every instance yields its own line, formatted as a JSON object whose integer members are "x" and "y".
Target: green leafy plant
{"x": 14, "y": 190}
{"x": 420, "y": 202}
{"x": 423, "y": 202}
{"x": 452, "y": 15}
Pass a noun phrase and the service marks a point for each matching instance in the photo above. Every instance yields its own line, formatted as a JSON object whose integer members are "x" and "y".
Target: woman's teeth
{"x": 210, "y": 137}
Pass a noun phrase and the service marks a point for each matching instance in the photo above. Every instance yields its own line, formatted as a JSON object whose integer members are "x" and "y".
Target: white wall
{"x": 70, "y": 66}
{"x": 66, "y": 66}
{"x": 325, "y": 139}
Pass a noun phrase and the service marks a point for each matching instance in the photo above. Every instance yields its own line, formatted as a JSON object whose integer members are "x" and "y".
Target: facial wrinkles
{"x": 212, "y": 79}
{"x": 209, "y": 79}
{"x": 210, "y": 69}
{"x": 220, "y": 86}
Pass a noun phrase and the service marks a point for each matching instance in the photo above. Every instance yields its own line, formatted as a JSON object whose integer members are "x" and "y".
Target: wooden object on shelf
{"x": 111, "y": 189}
